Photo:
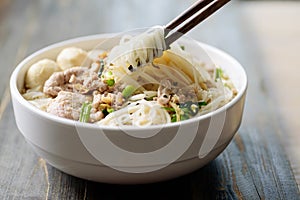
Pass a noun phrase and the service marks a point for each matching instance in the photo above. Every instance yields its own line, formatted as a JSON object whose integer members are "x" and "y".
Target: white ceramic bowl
{"x": 127, "y": 155}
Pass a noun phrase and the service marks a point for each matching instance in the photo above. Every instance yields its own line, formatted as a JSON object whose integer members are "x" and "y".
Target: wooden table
{"x": 262, "y": 162}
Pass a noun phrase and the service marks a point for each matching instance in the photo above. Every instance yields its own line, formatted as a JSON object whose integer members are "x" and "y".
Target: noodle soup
{"x": 139, "y": 82}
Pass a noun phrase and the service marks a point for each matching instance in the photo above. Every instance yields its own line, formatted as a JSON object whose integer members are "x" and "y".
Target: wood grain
{"x": 279, "y": 43}
{"x": 254, "y": 166}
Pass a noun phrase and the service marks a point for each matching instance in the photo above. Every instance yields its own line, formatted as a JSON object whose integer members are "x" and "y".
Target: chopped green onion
{"x": 110, "y": 82}
{"x": 101, "y": 68}
{"x": 219, "y": 73}
{"x": 184, "y": 117}
{"x": 109, "y": 73}
{"x": 128, "y": 91}
{"x": 169, "y": 109}
{"x": 202, "y": 103}
{"x": 185, "y": 110}
{"x": 185, "y": 104}
{"x": 149, "y": 98}
{"x": 190, "y": 108}
{"x": 182, "y": 47}
{"x": 105, "y": 112}
{"x": 85, "y": 112}
{"x": 110, "y": 110}
{"x": 173, "y": 118}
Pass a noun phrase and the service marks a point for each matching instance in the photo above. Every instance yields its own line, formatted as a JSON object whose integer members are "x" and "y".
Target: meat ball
{"x": 72, "y": 57}
{"x": 39, "y": 72}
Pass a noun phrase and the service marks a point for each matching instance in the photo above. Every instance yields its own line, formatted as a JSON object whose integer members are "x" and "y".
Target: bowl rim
{"x": 17, "y": 95}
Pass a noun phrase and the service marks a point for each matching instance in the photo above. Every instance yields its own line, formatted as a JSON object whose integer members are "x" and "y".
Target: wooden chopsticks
{"x": 205, "y": 9}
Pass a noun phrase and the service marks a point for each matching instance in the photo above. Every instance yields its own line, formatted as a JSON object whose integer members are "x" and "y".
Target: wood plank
{"x": 13, "y": 42}
{"x": 21, "y": 172}
{"x": 279, "y": 45}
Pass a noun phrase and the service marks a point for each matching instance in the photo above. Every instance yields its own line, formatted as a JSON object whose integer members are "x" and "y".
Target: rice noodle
{"x": 141, "y": 113}
{"x": 139, "y": 50}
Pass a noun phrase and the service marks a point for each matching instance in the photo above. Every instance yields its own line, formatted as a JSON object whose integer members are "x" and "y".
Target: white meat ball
{"x": 39, "y": 72}
{"x": 72, "y": 57}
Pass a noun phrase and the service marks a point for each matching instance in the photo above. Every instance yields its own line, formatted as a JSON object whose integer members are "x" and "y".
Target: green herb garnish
{"x": 189, "y": 109}
{"x": 85, "y": 112}
{"x": 128, "y": 91}
{"x": 169, "y": 109}
{"x": 110, "y": 110}
{"x": 202, "y": 103}
{"x": 219, "y": 73}
{"x": 149, "y": 98}
{"x": 173, "y": 118}
{"x": 109, "y": 73}
{"x": 110, "y": 82}
{"x": 106, "y": 111}
{"x": 101, "y": 68}
{"x": 184, "y": 117}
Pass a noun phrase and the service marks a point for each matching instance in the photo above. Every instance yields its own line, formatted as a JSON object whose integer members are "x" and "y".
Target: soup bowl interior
{"x": 128, "y": 155}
